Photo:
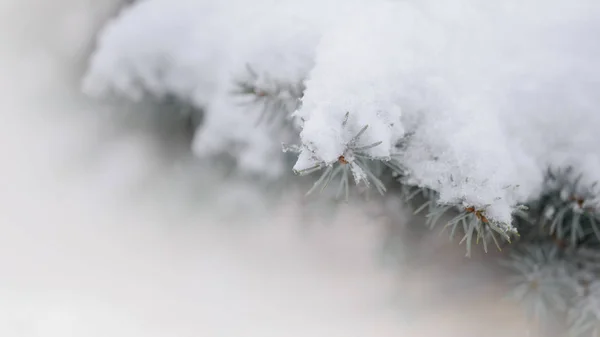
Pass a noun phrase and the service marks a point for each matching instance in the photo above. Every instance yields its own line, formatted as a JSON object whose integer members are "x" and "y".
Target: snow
{"x": 353, "y": 74}
{"x": 491, "y": 94}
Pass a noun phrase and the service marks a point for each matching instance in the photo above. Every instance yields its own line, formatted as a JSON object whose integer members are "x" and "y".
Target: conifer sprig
{"x": 276, "y": 99}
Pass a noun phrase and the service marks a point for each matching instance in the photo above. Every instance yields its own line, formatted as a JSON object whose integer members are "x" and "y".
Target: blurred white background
{"x": 108, "y": 229}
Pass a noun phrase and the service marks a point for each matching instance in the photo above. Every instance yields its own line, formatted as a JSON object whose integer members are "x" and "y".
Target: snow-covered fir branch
{"x": 487, "y": 111}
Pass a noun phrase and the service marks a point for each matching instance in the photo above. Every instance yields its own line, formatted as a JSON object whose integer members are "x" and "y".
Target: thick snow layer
{"x": 485, "y": 96}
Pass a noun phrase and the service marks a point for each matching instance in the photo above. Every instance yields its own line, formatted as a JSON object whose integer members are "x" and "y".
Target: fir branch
{"x": 473, "y": 223}
{"x": 584, "y": 316}
{"x": 477, "y": 227}
{"x": 276, "y": 99}
{"x": 566, "y": 212}
{"x": 353, "y": 160}
{"x": 541, "y": 279}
